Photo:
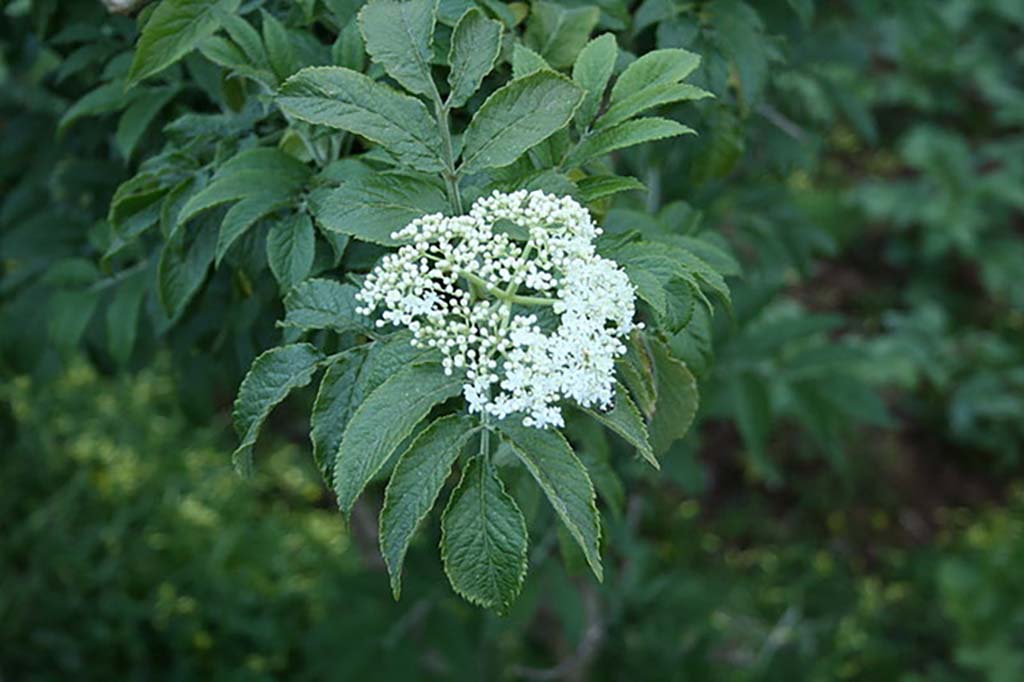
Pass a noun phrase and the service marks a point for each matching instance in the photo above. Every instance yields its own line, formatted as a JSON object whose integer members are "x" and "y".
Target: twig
{"x": 781, "y": 122}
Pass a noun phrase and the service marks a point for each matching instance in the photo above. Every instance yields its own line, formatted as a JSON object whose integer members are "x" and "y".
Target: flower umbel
{"x": 515, "y": 295}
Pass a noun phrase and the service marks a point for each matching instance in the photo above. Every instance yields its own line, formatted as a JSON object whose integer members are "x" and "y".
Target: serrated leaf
{"x": 324, "y": 304}
{"x": 547, "y": 456}
{"x": 383, "y": 421}
{"x": 625, "y": 420}
{"x": 483, "y": 541}
{"x": 347, "y": 381}
{"x": 627, "y": 134}
{"x": 648, "y": 98}
{"x": 341, "y": 98}
{"x": 175, "y": 28}
{"x": 398, "y": 36}
{"x": 415, "y": 486}
{"x": 475, "y": 46}
{"x": 372, "y": 208}
{"x": 592, "y": 71}
{"x": 677, "y": 398}
{"x": 600, "y": 186}
{"x": 273, "y": 375}
{"x": 525, "y": 61}
{"x": 658, "y": 67}
{"x": 516, "y": 117}
{"x": 559, "y": 33}
{"x": 291, "y": 246}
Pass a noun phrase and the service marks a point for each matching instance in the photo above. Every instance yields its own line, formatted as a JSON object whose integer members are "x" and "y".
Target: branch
{"x": 780, "y": 121}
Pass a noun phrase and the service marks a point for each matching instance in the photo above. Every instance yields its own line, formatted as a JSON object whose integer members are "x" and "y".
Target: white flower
{"x": 469, "y": 288}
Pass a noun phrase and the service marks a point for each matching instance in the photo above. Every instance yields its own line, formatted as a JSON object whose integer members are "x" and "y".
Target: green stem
{"x": 451, "y": 178}
{"x": 485, "y": 443}
{"x": 504, "y": 295}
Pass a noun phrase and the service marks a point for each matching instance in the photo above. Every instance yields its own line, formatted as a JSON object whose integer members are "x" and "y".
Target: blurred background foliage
{"x": 849, "y": 506}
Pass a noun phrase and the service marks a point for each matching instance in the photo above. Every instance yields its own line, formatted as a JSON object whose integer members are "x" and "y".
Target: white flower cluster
{"x": 466, "y": 285}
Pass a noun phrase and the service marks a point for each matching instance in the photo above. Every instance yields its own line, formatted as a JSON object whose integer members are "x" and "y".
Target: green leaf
{"x": 280, "y": 52}
{"x": 715, "y": 256}
{"x": 271, "y": 378}
{"x": 650, "y": 269}
{"x": 265, "y": 173}
{"x": 475, "y": 45}
{"x": 592, "y": 70}
{"x": 525, "y": 61}
{"x": 681, "y": 296}
{"x": 246, "y": 38}
{"x": 415, "y": 486}
{"x": 483, "y": 541}
{"x": 753, "y": 409}
{"x": 324, "y": 304}
{"x": 348, "y": 50}
{"x": 558, "y": 33}
{"x": 291, "y": 245}
{"x": 223, "y": 52}
{"x": 648, "y": 98}
{"x": 372, "y": 208}
{"x": 636, "y": 368}
{"x": 659, "y": 67}
{"x": 137, "y": 118}
{"x": 175, "y": 28}
{"x": 398, "y": 36}
{"x": 347, "y": 381}
{"x": 624, "y": 419}
{"x": 516, "y": 117}
{"x": 69, "y": 314}
{"x": 341, "y": 98}
{"x": 677, "y": 398}
{"x": 243, "y": 216}
{"x": 123, "y": 314}
{"x": 628, "y": 134}
{"x": 383, "y": 421}
{"x": 102, "y": 100}
{"x": 600, "y": 186}
{"x": 547, "y": 456}
{"x": 183, "y": 267}
{"x": 739, "y": 31}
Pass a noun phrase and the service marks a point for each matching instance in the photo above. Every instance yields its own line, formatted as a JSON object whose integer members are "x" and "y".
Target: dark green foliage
{"x": 831, "y": 379}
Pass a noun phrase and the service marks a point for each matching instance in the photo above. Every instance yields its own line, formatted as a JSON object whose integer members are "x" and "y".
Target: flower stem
{"x": 504, "y": 295}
